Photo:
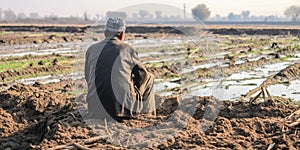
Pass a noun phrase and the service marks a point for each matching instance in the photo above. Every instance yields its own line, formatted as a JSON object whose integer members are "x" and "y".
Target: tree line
{"x": 8, "y": 14}
{"x": 200, "y": 13}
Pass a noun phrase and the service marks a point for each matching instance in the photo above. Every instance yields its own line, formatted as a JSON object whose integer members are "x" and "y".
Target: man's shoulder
{"x": 96, "y": 46}
{"x": 124, "y": 45}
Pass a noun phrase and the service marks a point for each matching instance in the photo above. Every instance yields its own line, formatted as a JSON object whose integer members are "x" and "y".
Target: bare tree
{"x": 52, "y": 16}
{"x": 120, "y": 14}
{"x": 21, "y": 15}
{"x": 135, "y": 15}
{"x": 9, "y": 14}
{"x": 97, "y": 17}
{"x": 0, "y": 13}
{"x": 34, "y": 15}
{"x": 218, "y": 17}
{"x": 245, "y": 14}
{"x": 86, "y": 16}
{"x": 144, "y": 13}
{"x": 201, "y": 12}
{"x": 234, "y": 17}
{"x": 293, "y": 12}
{"x": 158, "y": 14}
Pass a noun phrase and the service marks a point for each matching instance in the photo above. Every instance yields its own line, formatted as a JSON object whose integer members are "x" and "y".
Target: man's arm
{"x": 86, "y": 67}
{"x": 121, "y": 79}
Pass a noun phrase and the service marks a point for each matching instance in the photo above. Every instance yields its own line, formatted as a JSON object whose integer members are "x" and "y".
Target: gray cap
{"x": 115, "y": 24}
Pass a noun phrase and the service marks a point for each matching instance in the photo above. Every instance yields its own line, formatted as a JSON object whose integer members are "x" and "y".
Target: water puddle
{"x": 261, "y": 72}
{"x": 232, "y": 90}
{"x": 43, "y": 49}
{"x": 273, "y": 68}
{"x": 202, "y": 66}
{"x": 239, "y": 84}
{"x": 288, "y": 91}
{"x": 40, "y": 53}
{"x": 163, "y": 42}
{"x": 155, "y": 54}
{"x": 159, "y": 87}
{"x": 165, "y": 60}
{"x": 51, "y": 78}
{"x": 156, "y": 42}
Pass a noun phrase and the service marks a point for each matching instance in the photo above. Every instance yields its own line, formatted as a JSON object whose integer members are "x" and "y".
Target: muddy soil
{"x": 142, "y": 29}
{"x": 221, "y": 31}
{"x": 40, "y": 37}
{"x": 242, "y": 126}
{"x": 83, "y": 33}
{"x": 15, "y": 38}
{"x": 41, "y": 28}
{"x": 45, "y": 116}
{"x": 32, "y": 71}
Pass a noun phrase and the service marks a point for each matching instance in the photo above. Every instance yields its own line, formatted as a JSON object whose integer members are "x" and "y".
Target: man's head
{"x": 115, "y": 27}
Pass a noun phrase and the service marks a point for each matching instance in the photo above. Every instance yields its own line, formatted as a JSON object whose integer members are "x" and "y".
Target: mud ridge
{"x": 9, "y": 74}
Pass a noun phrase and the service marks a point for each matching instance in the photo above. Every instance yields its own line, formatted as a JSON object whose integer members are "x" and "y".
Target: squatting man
{"x": 119, "y": 86}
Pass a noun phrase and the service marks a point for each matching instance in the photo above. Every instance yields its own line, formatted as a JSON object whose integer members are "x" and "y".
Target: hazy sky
{"x": 77, "y": 7}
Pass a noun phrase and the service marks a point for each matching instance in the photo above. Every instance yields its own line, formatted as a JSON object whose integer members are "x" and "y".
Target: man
{"x": 118, "y": 85}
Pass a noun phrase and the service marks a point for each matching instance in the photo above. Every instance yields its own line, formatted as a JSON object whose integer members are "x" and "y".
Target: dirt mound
{"x": 17, "y": 38}
{"x": 30, "y": 115}
{"x": 231, "y": 109}
{"x": 45, "y": 116}
{"x": 222, "y": 31}
{"x": 290, "y": 73}
{"x": 242, "y": 125}
{"x": 168, "y": 106}
{"x": 7, "y": 123}
{"x": 163, "y": 71}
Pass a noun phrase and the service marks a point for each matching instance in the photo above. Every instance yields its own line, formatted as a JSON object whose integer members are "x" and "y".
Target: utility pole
{"x": 184, "y": 11}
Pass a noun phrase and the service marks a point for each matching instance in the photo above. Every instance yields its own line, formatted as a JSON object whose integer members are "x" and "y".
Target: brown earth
{"x": 22, "y": 34}
{"x": 43, "y": 116}
{"x": 16, "y": 38}
{"x": 221, "y": 31}
{"x": 241, "y": 125}
{"x": 39, "y": 38}
{"x": 43, "y": 28}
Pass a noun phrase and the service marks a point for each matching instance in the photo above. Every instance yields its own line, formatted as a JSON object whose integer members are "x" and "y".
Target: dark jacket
{"x": 108, "y": 72}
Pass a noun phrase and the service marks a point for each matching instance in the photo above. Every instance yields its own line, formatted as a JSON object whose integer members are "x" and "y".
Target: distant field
{"x": 250, "y": 29}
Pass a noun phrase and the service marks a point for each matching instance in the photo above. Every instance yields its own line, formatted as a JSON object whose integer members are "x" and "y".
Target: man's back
{"x": 118, "y": 86}
{"x": 109, "y": 67}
